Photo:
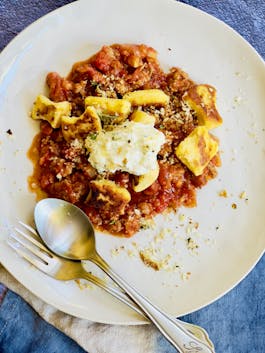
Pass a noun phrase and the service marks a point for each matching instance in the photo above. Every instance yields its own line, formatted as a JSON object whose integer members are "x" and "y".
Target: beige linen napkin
{"x": 92, "y": 337}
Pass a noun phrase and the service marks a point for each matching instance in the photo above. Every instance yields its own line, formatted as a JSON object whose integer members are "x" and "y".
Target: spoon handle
{"x": 182, "y": 340}
{"x": 197, "y": 331}
{"x": 115, "y": 292}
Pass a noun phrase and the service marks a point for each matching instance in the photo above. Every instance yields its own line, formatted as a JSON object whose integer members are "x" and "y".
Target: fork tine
{"x": 31, "y": 239}
{"x": 40, "y": 265}
{"x": 43, "y": 256}
{"x": 28, "y": 227}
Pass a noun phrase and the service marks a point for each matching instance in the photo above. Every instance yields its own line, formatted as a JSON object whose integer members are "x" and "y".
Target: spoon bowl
{"x": 65, "y": 229}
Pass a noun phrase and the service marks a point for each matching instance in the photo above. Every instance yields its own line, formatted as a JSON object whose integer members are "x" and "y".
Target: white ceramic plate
{"x": 231, "y": 240}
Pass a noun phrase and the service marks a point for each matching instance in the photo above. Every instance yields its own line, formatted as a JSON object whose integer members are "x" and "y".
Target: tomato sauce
{"x": 61, "y": 168}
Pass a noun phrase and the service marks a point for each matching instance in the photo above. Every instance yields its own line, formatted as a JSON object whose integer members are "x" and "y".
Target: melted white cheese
{"x": 131, "y": 147}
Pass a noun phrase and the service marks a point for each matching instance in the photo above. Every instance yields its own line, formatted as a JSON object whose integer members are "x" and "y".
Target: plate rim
{"x": 37, "y": 22}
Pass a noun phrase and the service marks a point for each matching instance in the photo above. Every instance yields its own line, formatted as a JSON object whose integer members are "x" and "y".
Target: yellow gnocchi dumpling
{"x": 78, "y": 127}
{"x": 116, "y": 109}
{"x": 45, "y": 109}
{"x": 139, "y": 116}
{"x": 110, "y": 194}
{"x": 197, "y": 149}
{"x": 147, "y": 97}
{"x": 146, "y": 180}
{"x": 202, "y": 99}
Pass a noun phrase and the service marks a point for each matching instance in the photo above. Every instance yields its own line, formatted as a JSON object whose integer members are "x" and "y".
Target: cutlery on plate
{"x": 28, "y": 245}
{"x": 68, "y": 232}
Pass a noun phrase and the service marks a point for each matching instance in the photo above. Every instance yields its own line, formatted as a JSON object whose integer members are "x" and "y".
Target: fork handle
{"x": 116, "y": 292}
{"x": 180, "y": 338}
{"x": 197, "y": 331}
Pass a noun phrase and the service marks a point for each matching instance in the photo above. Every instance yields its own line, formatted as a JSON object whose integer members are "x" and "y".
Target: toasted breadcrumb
{"x": 223, "y": 193}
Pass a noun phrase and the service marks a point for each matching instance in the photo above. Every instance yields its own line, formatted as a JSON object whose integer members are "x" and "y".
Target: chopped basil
{"x": 93, "y": 135}
{"x": 107, "y": 119}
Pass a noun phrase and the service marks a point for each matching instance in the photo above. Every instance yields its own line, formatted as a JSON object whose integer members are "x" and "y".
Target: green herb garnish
{"x": 93, "y": 135}
{"x": 107, "y": 119}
